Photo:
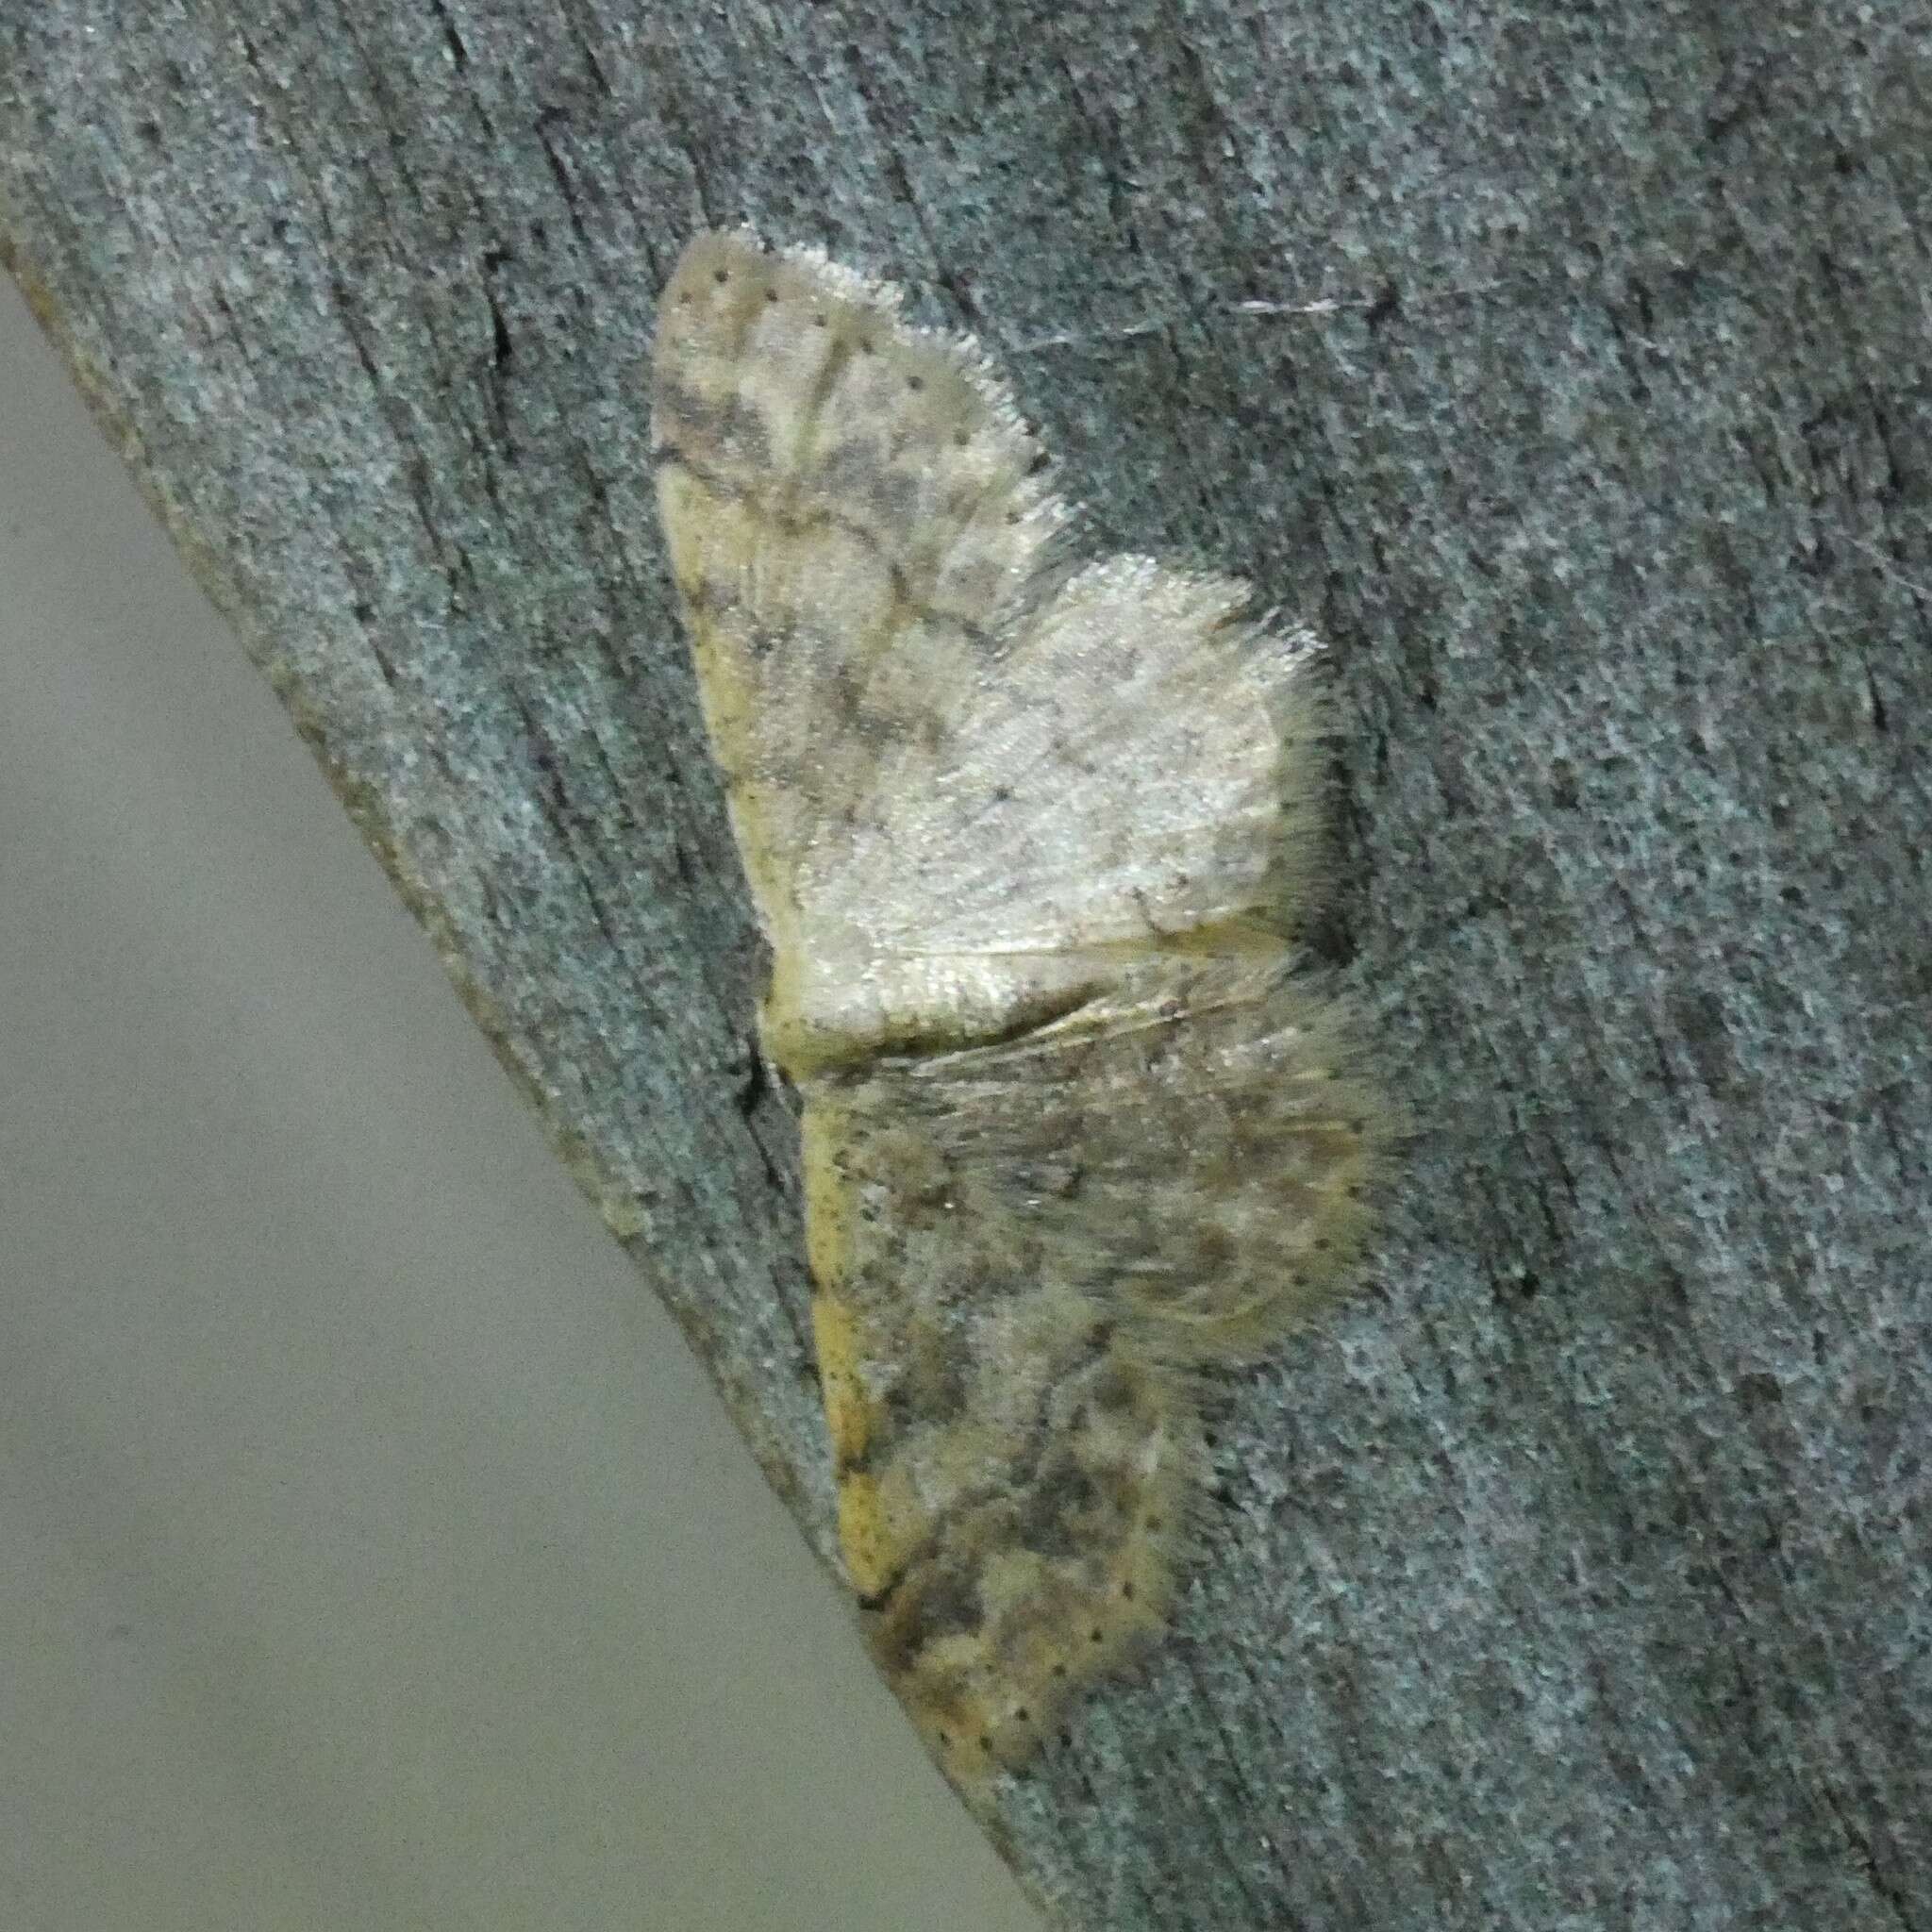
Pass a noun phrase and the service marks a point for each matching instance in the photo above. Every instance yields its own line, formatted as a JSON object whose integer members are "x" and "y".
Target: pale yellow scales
{"x": 1030, "y": 838}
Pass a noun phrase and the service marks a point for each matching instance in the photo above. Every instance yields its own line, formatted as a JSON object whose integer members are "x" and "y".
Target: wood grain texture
{"x": 1567, "y": 370}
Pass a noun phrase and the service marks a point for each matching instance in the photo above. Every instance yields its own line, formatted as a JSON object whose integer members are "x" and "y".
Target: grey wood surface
{"x": 1568, "y": 369}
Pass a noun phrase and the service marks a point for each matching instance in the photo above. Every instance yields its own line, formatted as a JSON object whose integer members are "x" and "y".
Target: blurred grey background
{"x": 376, "y": 1551}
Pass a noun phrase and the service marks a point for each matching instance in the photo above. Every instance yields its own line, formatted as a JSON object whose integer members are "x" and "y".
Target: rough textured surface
{"x": 1567, "y": 369}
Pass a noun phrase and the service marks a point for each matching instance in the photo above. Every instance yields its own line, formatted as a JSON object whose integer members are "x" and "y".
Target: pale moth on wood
{"x": 1030, "y": 839}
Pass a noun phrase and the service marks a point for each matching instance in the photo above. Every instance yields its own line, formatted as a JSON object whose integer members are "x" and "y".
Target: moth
{"x": 1031, "y": 836}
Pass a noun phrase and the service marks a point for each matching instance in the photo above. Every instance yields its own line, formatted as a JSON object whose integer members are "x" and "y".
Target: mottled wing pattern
{"x": 1026, "y": 1248}
{"x": 1030, "y": 839}
{"x": 848, "y": 503}
{"x": 1119, "y": 773}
